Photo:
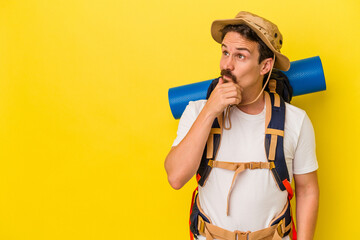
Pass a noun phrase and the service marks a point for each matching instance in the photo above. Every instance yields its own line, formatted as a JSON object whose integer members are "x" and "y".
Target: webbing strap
{"x": 238, "y": 170}
{"x": 288, "y": 188}
{"x": 238, "y": 167}
{"x": 290, "y": 196}
{"x": 211, "y": 232}
{"x": 210, "y": 146}
{"x": 268, "y": 109}
{"x": 210, "y": 142}
{"x": 272, "y": 149}
{"x": 277, "y": 100}
{"x": 272, "y": 88}
{"x": 233, "y": 166}
{"x": 274, "y": 132}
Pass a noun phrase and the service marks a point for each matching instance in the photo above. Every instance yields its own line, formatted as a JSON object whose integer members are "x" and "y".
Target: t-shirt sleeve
{"x": 187, "y": 119}
{"x": 305, "y": 160}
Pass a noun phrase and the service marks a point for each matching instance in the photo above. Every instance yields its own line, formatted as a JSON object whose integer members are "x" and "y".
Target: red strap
{"x": 198, "y": 177}
{"x": 191, "y": 207}
{"x": 294, "y": 233}
{"x": 288, "y": 187}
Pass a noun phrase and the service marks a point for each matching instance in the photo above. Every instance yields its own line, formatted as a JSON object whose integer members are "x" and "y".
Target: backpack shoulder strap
{"x": 274, "y": 148}
{"x": 212, "y": 144}
{"x": 274, "y": 135}
{"x": 210, "y": 151}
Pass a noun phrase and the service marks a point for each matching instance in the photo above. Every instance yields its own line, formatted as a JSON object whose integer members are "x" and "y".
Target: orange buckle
{"x": 201, "y": 225}
{"x": 239, "y": 235}
{"x": 281, "y": 228}
{"x": 211, "y": 163}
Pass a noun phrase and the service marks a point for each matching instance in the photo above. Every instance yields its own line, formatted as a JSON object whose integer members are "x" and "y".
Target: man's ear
{"x": 266, "y": 65}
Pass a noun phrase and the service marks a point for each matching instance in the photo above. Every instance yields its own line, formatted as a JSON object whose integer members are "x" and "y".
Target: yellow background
{"x": 85, "y": 123}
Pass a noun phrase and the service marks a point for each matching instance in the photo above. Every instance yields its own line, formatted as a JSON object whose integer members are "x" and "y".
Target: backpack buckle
{"x": 239, "y": 235}
{"x": 281, "y": 228}
{"x": 255, "y": 165}
{"x": 201, "y": 225}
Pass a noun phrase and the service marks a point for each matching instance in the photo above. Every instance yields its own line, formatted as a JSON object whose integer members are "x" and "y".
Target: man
{"x": 245, "y": 204}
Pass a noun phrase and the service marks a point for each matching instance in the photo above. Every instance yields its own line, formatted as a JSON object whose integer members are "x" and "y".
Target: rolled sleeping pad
{"x": 305, "y": 76}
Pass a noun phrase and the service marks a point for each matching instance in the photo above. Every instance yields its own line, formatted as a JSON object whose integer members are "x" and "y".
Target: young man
{"x": 244, "y": 204}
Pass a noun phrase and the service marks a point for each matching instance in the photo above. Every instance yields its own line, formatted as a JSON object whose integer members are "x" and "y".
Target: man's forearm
{"x": 183, "y": 160}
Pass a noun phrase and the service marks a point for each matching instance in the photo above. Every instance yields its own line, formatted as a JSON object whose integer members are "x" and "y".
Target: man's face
{"x": 240, "y": 61}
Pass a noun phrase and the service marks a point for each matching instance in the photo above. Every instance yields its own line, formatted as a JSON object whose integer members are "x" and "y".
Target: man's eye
{"x": 241, "y": 56}
{"x": 225, "y": 53}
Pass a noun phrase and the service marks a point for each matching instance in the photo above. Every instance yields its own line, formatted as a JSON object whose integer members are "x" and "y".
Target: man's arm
{"x": 307, "y": 204}
{"x": 184, "y": 159}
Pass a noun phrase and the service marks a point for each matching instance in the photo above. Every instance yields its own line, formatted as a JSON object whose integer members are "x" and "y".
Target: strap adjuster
{"x": 255, "y": 165}
{"x": 201, "y": 225}
{"x": 239, "y": 235}
{"x": 281, "y": 228}
{"x": 211, "y": 163}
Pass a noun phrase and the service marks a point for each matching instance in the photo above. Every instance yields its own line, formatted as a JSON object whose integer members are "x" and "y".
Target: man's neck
{"x": 255, "y": 107}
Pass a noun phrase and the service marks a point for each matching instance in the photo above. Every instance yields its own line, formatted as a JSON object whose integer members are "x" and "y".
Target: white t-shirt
{"x": 255, "y": 199}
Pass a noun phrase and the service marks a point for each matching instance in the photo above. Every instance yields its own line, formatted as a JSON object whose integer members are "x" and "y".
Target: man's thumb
{"x": 221, "y": 81}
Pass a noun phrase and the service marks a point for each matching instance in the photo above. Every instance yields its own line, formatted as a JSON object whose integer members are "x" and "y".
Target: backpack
{"x": 278, "y": 91}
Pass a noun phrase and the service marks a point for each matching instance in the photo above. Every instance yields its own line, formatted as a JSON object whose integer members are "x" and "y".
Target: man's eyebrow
{"x": 240, "y": 49}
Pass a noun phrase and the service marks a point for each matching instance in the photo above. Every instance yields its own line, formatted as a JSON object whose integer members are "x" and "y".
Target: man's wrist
{"x": 208, "y": 114}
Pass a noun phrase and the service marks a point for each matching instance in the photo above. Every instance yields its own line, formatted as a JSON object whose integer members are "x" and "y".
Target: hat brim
{"x": 281, "y": 61}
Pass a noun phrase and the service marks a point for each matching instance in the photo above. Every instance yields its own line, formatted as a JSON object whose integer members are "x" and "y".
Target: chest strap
{"x": 239, "y": 167}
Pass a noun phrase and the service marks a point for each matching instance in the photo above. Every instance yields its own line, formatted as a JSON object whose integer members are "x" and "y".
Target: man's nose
{"x": 229, "y": 63}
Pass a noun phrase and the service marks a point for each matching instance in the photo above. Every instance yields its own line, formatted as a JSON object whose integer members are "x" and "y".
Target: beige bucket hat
{"x": 266, "y": 30}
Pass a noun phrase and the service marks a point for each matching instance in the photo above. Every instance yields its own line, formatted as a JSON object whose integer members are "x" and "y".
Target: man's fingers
{"x": 232, "y": 101}
{"x": 224, "y": 94}
{"x": 227, "y": 85}
{"x": 225, "y": 89}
